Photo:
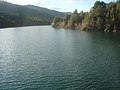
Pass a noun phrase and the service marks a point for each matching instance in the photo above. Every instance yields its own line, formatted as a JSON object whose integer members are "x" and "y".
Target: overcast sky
{"x": 60, "y": 5}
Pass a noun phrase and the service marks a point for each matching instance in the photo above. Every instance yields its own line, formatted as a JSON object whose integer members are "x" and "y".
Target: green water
{"x": 43, "y": 58}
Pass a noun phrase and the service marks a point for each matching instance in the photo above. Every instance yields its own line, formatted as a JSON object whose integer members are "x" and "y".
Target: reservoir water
{"x": 44, "y": 58}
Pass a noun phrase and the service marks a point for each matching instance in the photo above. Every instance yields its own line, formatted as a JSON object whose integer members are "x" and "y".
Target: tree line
{"x": 18, "y": 19}
{"x": 102, "y": 16}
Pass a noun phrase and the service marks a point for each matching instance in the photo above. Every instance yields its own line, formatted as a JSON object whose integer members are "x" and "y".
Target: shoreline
{"x": 23, "y": 26}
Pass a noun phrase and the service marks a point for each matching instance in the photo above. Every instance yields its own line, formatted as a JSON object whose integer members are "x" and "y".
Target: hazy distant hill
{"x": 67, "y": 12}
{"x": 18, "y": 15}
{"x": 45, "y": 12}
{"x": 29, "y": 10}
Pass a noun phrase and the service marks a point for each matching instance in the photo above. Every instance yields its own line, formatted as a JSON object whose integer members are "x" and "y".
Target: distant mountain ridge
{"x": 45, "y": 11}
{"x": 67, "y": 12}
{"x": 29, "y": 10}
{"x": 12, "y": 15}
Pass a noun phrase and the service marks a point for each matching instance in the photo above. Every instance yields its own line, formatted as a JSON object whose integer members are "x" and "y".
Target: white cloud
{"x": 24, "y": 2}
{"x": 39, "y": 1}
{"x": 69, "y": 1}
{"x": 72, "y": 1}
{"x": 54, "y": 8}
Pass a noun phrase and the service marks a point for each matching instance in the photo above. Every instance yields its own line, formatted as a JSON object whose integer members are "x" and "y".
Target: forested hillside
{"x": 16, "y": 15}
{"x": 102, "y": 16}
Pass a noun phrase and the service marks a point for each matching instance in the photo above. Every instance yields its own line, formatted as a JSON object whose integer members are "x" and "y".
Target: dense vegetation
{"x": 12, "y": 15}
{"x": 14, "y": 20}
{"x": 102, "y": 16}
